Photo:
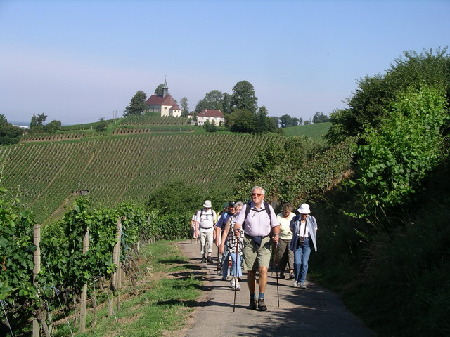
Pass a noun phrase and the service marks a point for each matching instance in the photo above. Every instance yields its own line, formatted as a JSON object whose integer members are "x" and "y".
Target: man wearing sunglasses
{"x": 260, "y": 225}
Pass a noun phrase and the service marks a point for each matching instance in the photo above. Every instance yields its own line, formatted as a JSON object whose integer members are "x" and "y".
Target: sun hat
{"x": 207, "y": 204}
{"x": 304, "y": 209}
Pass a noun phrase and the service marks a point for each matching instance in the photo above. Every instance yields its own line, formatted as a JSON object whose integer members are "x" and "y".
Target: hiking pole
{"x": 236, "y": 279}
{"x": 276, "y": 271}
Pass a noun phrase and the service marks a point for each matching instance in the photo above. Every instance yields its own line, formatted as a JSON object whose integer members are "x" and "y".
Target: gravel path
{"x": 311, "y": 312}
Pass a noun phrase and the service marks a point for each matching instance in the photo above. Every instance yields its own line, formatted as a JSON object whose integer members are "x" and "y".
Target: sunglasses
{"x": 256, "y": 194}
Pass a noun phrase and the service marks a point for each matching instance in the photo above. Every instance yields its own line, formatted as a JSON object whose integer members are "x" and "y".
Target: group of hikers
{"x": 245, "y": 234}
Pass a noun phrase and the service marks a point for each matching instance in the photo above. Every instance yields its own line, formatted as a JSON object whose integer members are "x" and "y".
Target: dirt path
{"x": 311, "y": 312}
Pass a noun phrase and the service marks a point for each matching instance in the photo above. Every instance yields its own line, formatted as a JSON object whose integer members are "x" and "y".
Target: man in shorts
{"x": 260, "y": 224}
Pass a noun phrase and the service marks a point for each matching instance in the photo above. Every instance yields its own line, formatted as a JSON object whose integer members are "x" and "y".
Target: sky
{"x": 78, "y": 61}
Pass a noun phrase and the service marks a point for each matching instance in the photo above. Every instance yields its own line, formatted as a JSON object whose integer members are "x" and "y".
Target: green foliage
{"x": 177, "y": 197}
{"x": 37, "y": 123}
{"x": 244, "y": 98}
{"x": 406, "y": 146}
{"x": 101, "y": 126}
{"x": 242, "y": 121}
{"x": 375, "y": 95}
{"x": 213, "y": 100}
{"x": 16, "y": 253}
{"x": 137, "y": 104}
{"x": 210, "y": 127}
{"x": 296, "y": 170}
{"x": 9, "y": 134}
{"x": 320, "y": 117}
{"x": 159, "y": 90}
{"x": 286, "y": 121}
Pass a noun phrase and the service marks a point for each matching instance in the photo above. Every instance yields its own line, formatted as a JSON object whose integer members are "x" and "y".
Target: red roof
{"x": 159, "y": 100}
{"x": 211, "y": 113}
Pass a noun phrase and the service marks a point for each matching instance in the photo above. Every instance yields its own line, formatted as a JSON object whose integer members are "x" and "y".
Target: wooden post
{"x": 116, "y": 261}
{"x": 84, "y": 290}
{"x": 36, "y": 270}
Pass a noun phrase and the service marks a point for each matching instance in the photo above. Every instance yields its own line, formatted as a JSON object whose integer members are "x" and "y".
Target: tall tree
{"x": 184, "y": 106}
{"x": 244, "y": 97}
{"x": 213, "y": 100}
{"x": 137, "y": 104}
{"x": 37, "y": 122}
{"x": 226, "y": 104}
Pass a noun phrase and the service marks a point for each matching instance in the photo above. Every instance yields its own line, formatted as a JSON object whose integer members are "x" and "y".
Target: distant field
{"x": 315, "y": 131}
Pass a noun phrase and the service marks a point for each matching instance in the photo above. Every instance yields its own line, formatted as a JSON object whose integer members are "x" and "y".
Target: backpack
{"x": 212, "y": 212}
{"x": 247, "y": 211}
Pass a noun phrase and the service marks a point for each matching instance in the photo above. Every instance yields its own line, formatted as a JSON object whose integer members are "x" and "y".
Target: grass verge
{"x": 159, "y": 303}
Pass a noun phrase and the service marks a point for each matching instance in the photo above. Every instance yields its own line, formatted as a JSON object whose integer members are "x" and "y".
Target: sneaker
{"x": 252, "y": 305}
{"x": 209, "y": 259}
{"x": 238, "y": 286}
{"x": 303, "y": 285}
{"x": 295, "y": 284}
{"x": 261, "y": 305}
{"x": 291, "y": 276}
{"x": 232, "y": 283}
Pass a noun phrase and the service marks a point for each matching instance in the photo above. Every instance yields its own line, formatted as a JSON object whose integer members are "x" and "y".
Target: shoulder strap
{"x": 247, "y": 210}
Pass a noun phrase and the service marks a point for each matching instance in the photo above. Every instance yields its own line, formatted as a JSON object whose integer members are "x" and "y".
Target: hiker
{"x": 205, "y": 219}
{"x": 303, "y": 227}
{"x": 227, "y": 246}
{"x": 194, "y": 226}
{"x": 259, "y": 223}
{"x": 285, "y": 256}
{"x": 220, "y": 238}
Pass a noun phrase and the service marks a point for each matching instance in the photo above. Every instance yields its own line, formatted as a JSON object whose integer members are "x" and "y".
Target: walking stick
{"x": 276, "y": 271}
{"x": 236, "y": 262}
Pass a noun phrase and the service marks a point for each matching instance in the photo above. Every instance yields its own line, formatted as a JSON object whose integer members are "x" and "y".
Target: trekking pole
{"x": 276, "y": 271}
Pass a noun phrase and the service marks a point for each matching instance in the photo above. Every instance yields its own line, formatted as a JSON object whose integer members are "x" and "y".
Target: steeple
{"x": 165, "y": 88}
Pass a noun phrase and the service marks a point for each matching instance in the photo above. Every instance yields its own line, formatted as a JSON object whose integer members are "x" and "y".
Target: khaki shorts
{"x": 256, "y": 257}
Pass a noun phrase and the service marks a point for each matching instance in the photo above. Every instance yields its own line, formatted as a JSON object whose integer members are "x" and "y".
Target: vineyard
{"x": 85, "y": 248}
{"x": 44, "y": 175}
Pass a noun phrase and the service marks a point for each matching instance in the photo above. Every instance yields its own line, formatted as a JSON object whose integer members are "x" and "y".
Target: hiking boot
{"x": 261, "y": 305}
{"x": 281, "y": 275}
{"x": 203, "y": 259}
{"x": 253, "y": 305}
{"x": 209, "y": 259}
{"x": 291, "y": 275}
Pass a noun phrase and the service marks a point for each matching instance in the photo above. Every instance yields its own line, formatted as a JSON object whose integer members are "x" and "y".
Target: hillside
{"x": 122, "y": 168}
{"x": 314, "y": 131}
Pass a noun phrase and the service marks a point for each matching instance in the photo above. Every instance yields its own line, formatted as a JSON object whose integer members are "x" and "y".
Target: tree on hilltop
{"x": 287, "y": 120}
{"x": 244, "y": 97}
{"x": 213, "y": 100}
{"x": 137, "y": 104}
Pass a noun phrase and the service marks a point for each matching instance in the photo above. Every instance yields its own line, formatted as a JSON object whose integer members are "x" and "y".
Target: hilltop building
{"x": 215, "y": 117}
{"x": 164, "y": 103}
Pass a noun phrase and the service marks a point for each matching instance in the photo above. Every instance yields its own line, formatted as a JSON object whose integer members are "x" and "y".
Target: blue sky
{"x": 79, "y": 61}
